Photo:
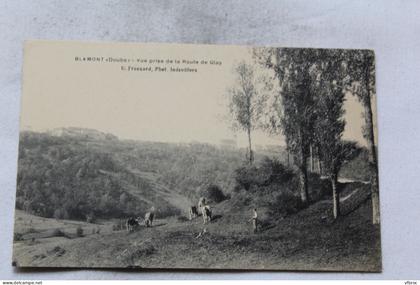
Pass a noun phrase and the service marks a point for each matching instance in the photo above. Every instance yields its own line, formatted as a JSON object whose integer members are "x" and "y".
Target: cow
{"x": 148, "y": 219}
{"x": 206, "y": 214}
{"x": 193, "y": 212}
{"x": 131, "y": 224}
{"x": 201, "y": 203}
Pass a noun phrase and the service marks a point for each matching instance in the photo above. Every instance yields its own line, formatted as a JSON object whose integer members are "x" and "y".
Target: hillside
{"x": 102, "y": 177}
{"x": 304, "y": 241}
{"x": 75, "y": 192}
{"x": 99, "y": 176}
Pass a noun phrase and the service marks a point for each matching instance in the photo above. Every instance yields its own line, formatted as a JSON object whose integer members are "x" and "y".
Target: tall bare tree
{"x": 246, "y": 102}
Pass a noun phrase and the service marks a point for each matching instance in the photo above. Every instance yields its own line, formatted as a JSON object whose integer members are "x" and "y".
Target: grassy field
{"x": 307, "y": 240}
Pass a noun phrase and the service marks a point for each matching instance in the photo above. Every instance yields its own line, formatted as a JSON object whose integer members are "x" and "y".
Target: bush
{"x": 269, "y": 172}
{"x": 79, "y": 231}
{"x": 286, "y": 203}
{"x": 17, "y": 237}
{"x": 60, "y": 214}
{"x": 57, "y": 233}
{"x": 214, "y": 194}
{"x": 318, "y": 188}
{"x": 246, "y": 176}
{"x": 276, "y": 171}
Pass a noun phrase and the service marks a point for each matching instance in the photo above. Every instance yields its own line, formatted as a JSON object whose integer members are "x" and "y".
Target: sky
{"x": 163, "y": 106}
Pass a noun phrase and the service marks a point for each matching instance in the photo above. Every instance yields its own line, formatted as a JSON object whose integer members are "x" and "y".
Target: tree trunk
{"x": 288, "y": 158}
{"x": 373, "y": 163}
{"x": 336, "y": 196}
{"x": 251, "y": 154}
{"x": 303, "y": 177}
{"x": 370, "y": 137}
{"x": 303, "y": 169}
{"x": 321, "y": 168}
{"x": 319, "y": 165}
{"x": 311, "y": 160}
{"x": 318, "y": 161}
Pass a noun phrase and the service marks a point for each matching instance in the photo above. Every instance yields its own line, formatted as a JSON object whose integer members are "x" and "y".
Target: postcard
{"x": 181, "y": 156}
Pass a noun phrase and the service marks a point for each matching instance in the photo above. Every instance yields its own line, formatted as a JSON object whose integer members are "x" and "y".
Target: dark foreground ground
{"x": 308, "y": 240}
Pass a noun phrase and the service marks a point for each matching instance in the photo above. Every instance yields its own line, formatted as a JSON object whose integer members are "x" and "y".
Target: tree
{"x": 361, "y": 70}
{"x": 329, "y": 124}
{"x": 329, "y": 130}
{"x": 333, "y": 151}
{"x": 294, "y": 106}
{"x": 246, "y": 102}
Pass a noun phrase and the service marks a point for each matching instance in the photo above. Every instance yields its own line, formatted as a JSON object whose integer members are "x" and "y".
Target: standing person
{"x": 254, "y": 220}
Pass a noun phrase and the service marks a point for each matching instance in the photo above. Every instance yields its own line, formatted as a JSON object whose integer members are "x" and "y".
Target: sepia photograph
{"x": 183, "y": 156}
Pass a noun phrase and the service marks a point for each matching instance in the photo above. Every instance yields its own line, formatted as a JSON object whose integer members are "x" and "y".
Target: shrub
{"x": 246, "y": 176}
{"x": 57, "y": 233}
{"x": 213, "y": 193}
{"x": 318, "y": 188}
{"x": 60, "y": 214}
{"x": 269, "y": 172}
{"x": 17, "y": 237}
{"x": 277, "y": 172}
{"x": 286, "y": 203}
{"x": 79, "y": 231}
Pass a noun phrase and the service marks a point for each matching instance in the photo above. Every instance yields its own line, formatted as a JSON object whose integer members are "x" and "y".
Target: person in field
{"x": 254, "y": 220}
{"x": 148, "y": 217}
{"x": 206, "y": 214}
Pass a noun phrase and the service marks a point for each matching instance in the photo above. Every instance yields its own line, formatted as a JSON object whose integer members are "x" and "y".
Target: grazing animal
{"x": 201, "y": 203}
{"x": 193, "y": 212}
{"x": 131, "y": 224}
{"x": 206, "y": 214}
{"x": 148, "y": 219}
